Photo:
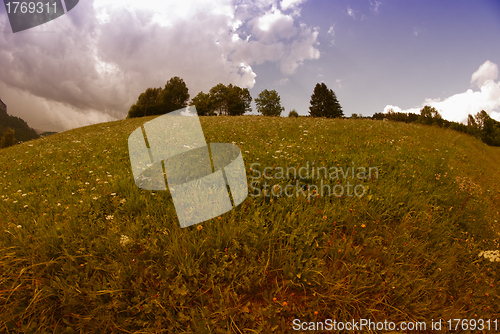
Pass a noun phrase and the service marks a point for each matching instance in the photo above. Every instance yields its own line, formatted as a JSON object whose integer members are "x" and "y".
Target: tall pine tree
{"x": 324, "y": 103}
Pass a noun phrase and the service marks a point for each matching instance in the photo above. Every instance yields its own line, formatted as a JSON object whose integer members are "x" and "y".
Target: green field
{"x": 83, "y": 250}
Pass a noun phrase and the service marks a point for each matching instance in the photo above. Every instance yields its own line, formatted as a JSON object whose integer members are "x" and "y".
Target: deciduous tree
{"x": 175, "y": 95}
{"x": 268, "y": 103}
{"x": 203, "y": 104}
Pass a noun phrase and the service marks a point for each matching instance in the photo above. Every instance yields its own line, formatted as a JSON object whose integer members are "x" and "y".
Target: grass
{"x": 83, "y": 250}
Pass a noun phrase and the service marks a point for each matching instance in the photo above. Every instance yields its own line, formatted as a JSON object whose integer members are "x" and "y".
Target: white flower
{"x": 19, "y": 226}
{"x": 124, "y": 240}
{"x": 110, "y": 217}
{"x": 493, "y": 256}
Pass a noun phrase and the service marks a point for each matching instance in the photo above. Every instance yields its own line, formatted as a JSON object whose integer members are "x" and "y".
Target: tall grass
{"x": 83, "y": 250}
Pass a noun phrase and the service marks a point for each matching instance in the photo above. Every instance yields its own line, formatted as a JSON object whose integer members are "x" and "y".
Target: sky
{"x": 90, "y": 65}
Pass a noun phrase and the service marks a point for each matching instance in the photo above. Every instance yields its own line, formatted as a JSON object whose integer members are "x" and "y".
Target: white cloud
{"x": 274, "y": 26}
{"x": 290, "y": 4}
{"x": 99, "y": 57}
{"x": 350, "y": 12}
{"x": 331, "y": 32}
{"x": 418, "y": 31}
{"x": 398, "y": 109}
{"x": 487, "y": 71}
{"x": 457, "y": 107}
{"x": 374, "y": 5}
{"x": 282, "y": 82}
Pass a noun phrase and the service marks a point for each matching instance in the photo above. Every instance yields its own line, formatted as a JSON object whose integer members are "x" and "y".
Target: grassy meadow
{"x": 83, "y": 250}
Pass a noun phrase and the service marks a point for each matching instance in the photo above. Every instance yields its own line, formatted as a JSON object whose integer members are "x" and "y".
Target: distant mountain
{"x": 22, "y": 131}
{"x": 47, "y": 133}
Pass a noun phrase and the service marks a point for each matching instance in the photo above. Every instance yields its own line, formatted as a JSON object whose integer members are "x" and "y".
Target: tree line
{"x": 232, "y": 100}
{"x": 481, "y": 125}
{"x": 229, "y": 100}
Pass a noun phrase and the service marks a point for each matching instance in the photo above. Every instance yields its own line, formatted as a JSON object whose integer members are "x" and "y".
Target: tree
{"x": 487, "y": 128}
{"x": 238, "y": 100}
{"x": 8, "y": 138}
{"x": 229, "y": 100}
{"x": 158, "y": 101}
{"x": 203, "y": 104}
{"x": 268, "y": 103}
{"x": 429, "y": 115}
{"x": 324, "y": 103}
{"x": 174, "y": 96}
{"x": 147, "y": 104}
{"x": 293, "y": 113}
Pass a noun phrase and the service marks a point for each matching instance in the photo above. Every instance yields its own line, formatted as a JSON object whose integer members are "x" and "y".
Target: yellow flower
{"x": 363, "y": 225}
{"x": 199, "y": 227}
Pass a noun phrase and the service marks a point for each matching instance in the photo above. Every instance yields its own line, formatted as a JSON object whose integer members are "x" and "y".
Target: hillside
{"x": 82, "y": 249}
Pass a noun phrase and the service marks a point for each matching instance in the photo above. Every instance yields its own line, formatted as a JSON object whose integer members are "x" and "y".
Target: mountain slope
{"x": 22, "y": 131}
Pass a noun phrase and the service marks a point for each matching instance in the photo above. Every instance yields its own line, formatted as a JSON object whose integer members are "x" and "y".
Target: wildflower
{"x": 493, "y": 256}
{"x": 285, "y": 303}
{"x": 324, "y": 217}
{"x": 363, "y": 225}
{"x": 199, "y": 227}
{"x": 113, "y": 194}
{"x": 124, "y": 240}
{"x": 110, "y": 217}
{"x": 19, "y": 226}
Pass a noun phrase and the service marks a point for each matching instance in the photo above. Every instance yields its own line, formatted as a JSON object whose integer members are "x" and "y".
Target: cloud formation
{"x": 291, "y": 4}
{"x": 457, "y": 107}
{"x": 487, "y": 71}
{"x": 350, "y": 12}
{"x": 100, "y": 56}
{"x": 374, "y": 5}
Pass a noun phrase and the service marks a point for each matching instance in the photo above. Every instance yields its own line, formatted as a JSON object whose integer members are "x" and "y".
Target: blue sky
{"x": 90, "y": 65}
